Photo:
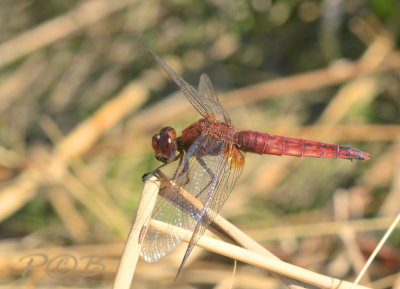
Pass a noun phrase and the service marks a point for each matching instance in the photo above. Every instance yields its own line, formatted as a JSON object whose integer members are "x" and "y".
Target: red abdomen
{"x": 264, "y": 143}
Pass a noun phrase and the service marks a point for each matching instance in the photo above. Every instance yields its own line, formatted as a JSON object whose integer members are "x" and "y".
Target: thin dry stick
{"x": 171, "y": 108}
{"x": 16, "y": 84}
{"x": 341, "y": 205}
{"x": 69, "y": 214}
{"x": 87, "y": 188}
{"x": 387, "y": 282}
{"x": 58, "y": 28}
{"x": 247, "y": 242}
{"x": 224, "y": 229}
{"x": 130, "y": 255}
{"x": 101, "y": 209}
{"x": 320, "y": 229}
{"x": 132, "y": 96}
{"x": 390, "y": 205}
{"x": 348, "y": 91}
{"x": 250, "y": 257}
{"x": 219, "y": 224}
{"x": 77, "y": 142}
{"x": 368, "y": 64}
{"x": 373, "y": 255}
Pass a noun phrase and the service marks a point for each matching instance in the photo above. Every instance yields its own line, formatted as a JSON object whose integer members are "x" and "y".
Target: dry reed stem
{"x": 396, "y": 283}
{"x": 358, "y": 91}
{"x": 376, "y": 53}
{"x": 173, "y": 108}
{"x": 242, "y": 278}
{"x": 319, "y": 229}
{"x": 380, "y": 171}
{"x": 104, "y": 211}
{"x": 390, "y": 206}
{"x": 19, "y": 193}
{"x": 75, "y": 74}
{"x": 130, "y": 255}
{"x": 74, "y": 144}
{"x": 14, "y": 85}
{"x": 83, "y": 137}
{"x": 85, "y": 186}
{"x": 220, "y": 225}
{"x": 308, "y": 81}
{"x": 253, "y": 258}
{"x": 377, "y": 249}
{"x": 65, "y": 208}
{"x": 341, "y": 202}
{"x": 58, "y": 28}
{"x": 271, "y": 178}
{"x": 235, "y": 234}
{"x": 382, "y": 45}
{"x": 387, "y": 282}
{"x": 368, "y": 29}
{"x": 8, "y": 158}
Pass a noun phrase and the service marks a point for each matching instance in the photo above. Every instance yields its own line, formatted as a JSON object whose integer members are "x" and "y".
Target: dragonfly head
{"x": 165, "y": 144}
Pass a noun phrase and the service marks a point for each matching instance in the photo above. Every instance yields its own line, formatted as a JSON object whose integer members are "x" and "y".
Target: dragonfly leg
{"x": 163, "y": 165}
{"x": 178, "y": 156}
{"x": 183, "y": 168}
{"x": 204, "y": 165}
{"x": 200, "y": 218}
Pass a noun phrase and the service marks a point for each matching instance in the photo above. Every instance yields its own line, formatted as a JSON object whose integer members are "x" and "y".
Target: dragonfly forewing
{"x": 211, "y": 177}
{"x": 204, "y": 100}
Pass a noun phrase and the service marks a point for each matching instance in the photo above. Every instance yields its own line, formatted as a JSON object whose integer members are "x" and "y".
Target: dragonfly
{"x": 210, "y": 156}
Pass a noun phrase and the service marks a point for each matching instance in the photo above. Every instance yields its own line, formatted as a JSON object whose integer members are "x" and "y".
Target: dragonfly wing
{"x": 213, "y": 185}
{"x": 156, "y": 245}
{"x": 173, "y": 209}
{"x": 213, "y": 171}
{"x": 204, "y": 101}
{"x": 210, "y": 98}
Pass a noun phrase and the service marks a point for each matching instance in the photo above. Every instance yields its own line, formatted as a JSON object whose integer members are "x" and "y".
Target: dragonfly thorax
{"x": 221, "y": 130}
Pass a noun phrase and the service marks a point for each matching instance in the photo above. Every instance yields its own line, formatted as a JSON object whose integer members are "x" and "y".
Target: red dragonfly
{"x": 210, "y": 162}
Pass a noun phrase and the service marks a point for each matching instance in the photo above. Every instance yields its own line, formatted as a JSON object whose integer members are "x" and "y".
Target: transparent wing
{"x": 211, "y": 100}
{"x": 205, "y": 101}
{"x": 213, "y": 168}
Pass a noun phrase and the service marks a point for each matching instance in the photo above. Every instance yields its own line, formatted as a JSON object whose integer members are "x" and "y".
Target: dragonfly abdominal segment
{"x": 264, "y": 143}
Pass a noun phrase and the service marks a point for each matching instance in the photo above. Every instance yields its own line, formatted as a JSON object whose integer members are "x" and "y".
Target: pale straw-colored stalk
{"x": 130, "y": 255}
{"x": 258, "y": 257}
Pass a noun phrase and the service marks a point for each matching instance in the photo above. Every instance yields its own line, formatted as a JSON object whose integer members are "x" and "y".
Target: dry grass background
{"x": 80, "y": 98}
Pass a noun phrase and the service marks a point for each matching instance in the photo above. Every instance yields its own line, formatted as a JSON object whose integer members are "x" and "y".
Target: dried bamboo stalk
{"x": 259, "y": 260}
{"x": 131, "y": 251}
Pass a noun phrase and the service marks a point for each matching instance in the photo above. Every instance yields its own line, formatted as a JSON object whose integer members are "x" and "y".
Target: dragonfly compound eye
{"x": 167, "y": 146}
{"x": 155, "y": 143}
{"x": 168, "y": 130}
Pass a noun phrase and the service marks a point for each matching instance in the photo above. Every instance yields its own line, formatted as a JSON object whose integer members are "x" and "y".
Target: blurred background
{"x": 80, "y": 98}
